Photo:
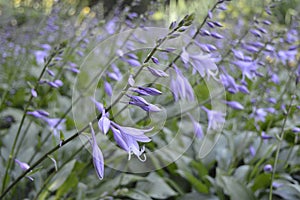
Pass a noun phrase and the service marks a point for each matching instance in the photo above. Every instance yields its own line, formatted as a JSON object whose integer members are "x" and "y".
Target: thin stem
{"x": 281, "y": 136}
{"x": 12, "y": 152}
{"x": 83, "y": 129}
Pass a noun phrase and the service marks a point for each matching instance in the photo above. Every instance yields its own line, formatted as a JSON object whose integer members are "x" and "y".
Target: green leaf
{"x": 61, "y": 176}
{"x": 288, "y": 191}
{"x": 156, "y": 187}
{"x": 261, "y": 181}
{"x": 137, "y": 194}
{"x": 235, "y": 189}
{"x": 195, "y": 182}
{"x": 201, "y": 169}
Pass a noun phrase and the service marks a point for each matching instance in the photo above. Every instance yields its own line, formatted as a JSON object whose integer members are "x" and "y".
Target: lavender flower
{"x": 181, "y": 87}
{"x": 55, "y": 125}
{"x": 215, "y": 118}
{"x": 33, "y": 92}
{"x": 24, "y": 166}
{"x": 157, "y": 72}
{"x": 235, "y": 105}
{"x": 197, "y": 127}
{"x": 268, "y": 168}
{"x": 252, "y": 151}
{"x": 107, "y": 88}
{"x": 296, "y": 130}
{"x": 142, "y": 103}
{"x": 127, "y": 138}
{"x": 104, "y": 121}
{"x": 147, "y": 91}
{"x": 155, "y": 60}
{"x": 98, "y": 159}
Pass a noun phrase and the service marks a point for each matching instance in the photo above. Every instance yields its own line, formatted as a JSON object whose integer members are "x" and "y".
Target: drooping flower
{"x": 215, "y": 118}
{"x": 142, "y": 103}
{"x": 55, "y": 125}
{"x": 157, "y": 72}
{"x": 181, "y": 87}
{"x": 107, "y": 88}
{"x": 98, "y": 159}
{"x": 197, "y": 127}
{"x": 127, "y": 138}
{"x": 235, "y": 105}
{"x": 147, "y": 91}
{"x": 24, "y": 166}
{"x": 104, "y": 121}
{"x": 33, "y": 92}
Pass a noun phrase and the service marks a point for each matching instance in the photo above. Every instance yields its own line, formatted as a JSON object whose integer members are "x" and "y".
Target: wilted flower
{"x": 98, "y": 159}
{"x": 127, "y": 138}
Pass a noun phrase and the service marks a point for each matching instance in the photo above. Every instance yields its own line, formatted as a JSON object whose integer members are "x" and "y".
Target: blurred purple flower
{"x": 215, "y": 118}
{"x": 259, "y": 114}
{"x": 133, "y": 62}
{"x": 252, "y": 151}
{"x": 268, "y": 168}
{"x": 235, "y": 105}
{"x": 264, "y": 136}
{"x": 55, "y": 125}
{"x": 181, "y": 87}
{"x": 40, "y": 56}
{"x": 33, "y": 92}
{"x": 98, "y": 159}
{"x": 127, "y": 138}
{"x": 157, "y": 72}
{"x": 107, "y": 88}
{"x": 296, "y": 130}
{"x": 197, "y": 127}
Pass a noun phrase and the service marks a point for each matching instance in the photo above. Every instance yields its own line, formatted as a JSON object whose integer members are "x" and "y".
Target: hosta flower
{"x": 235, "y": 105}
{"x": 107, "y": 88}
{"x": 147, "y": 91}
{"x": 98, "y": 159}
{"x": 203, "y": 64}
{"x": 181, "y": 87}
{"x": 142, "y": 103}
{"x": 268, "y": 168}
{"x": 157, "y": 72}
{"x": 127, "y": 138}
{"x": 215, "y": 118}
{"x": 104, "y": 121}
{"x": 197, "y": 127}
{"x": 55, "y": 125}
{"x": 24, "y": 166}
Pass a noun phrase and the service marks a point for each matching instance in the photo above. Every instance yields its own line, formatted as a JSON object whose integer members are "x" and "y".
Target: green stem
{"x": 281, "y": 136}
{"x": 12, "y": 152}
